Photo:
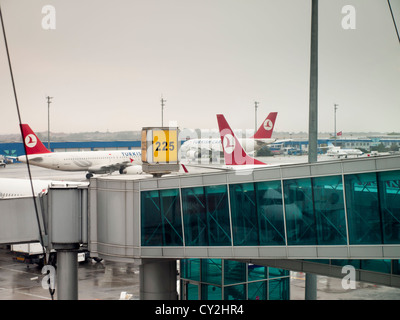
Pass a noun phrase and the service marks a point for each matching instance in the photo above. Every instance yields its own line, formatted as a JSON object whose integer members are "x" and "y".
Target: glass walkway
{"x": 352, "y": 209}
{"x": 341, "y": 209}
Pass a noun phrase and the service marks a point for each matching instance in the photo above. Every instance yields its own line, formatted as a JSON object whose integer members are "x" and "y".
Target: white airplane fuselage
{"x": 337, "y": 151}
{"x": 192, "y": 148}
{"x": 92, "y": 161}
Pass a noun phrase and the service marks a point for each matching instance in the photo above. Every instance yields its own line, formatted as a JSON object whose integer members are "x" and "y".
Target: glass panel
{"x": 329, "y": 210}
{"x": 363, "y": 209}
{"x": 244, "y": 214}
{"x": 378, "y": 265}
{"x": 171, "y": 213}
{"x": 206, "y": 216}
{"x": 192, "y": 291}
{"x": 270, "y": 213}
{"x": 210, "y": 292}
{"x": 194, "y": 216}
{"x": 211, "y": 271}
{"x": 190, "y": 269}
{"x": 300, "y": 221}
{"x": 389, "y": 195}
{"x": 279, "y": 289}
{"x": 346, "y": 262}
{"x": 218, "y": 224}
{"x": 395, "y": 267}
{"x": 277, "y": 273}
{"x": 257, "y": 272}
{"x": 151, "y": 223}
{"x": 235, "y": 292}
{"x": 257, "y": 290}
{"x": 234, "y": 272}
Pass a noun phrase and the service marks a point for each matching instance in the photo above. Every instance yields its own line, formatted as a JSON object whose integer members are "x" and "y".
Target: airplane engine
{"x": 132, "y": 170}
{"x": 193, "y": 154}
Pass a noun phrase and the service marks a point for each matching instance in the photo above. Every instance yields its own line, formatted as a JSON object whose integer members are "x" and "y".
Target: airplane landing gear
{"x": 89, "y": 175}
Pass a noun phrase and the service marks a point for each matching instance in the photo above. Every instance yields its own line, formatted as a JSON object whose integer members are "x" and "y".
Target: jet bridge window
{"x": 329, "y": 210}
{"x": 299, "y": 213}
{"x": 363, "y": 212}
{"x": 206, "y": 216}
{"x": 389, "y": 199}
{"x": 161, "y": 223}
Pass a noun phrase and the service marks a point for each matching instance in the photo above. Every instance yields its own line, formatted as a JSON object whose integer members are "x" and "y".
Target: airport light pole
{"x": 311, "y": 279}
{"x": 255, "y": 114}
{"x": 335, "y": 108}
{"x": 162, "y": 110}
{"x": 313, "y": 106}
{"x": 48, "y": 121}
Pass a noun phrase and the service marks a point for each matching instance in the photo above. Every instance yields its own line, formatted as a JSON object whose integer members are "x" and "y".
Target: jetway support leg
{"x": 158, "y": 279}
{"x": 311, "y": 287}
{"x": 67, "y": 275}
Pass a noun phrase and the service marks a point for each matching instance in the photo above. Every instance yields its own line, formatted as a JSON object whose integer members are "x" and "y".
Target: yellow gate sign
{"x": 165, "y": 146}
{"x": 160, "y": 145}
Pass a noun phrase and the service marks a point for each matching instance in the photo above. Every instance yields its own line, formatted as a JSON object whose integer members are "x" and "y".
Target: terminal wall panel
{"x": 332, "y": 252}
{"x": 192, "y": 181}
{"x": 112, "y": 217}
{"x": 387, "y": 164}
{"x": 18, "y": 221}
{"x": 168, "y": 183}
{"x": 136, "y": 218}
{"x": 214, "y": 179}
{"x": 296, "y": 172}
{"x": 391, "y": 252}
{"x": 222, "y": 252}
{"x": 272, "y": 252}
{"x": 302, "y": 252}
{"x": 150, "y": 184}
{"x": 92, "y": 214}
{"x": 151, "y": 252}
{"x": 193, "y": 252}
{"x": 358, "y": 166}
{"x": 267, "y": 174}
{"x": 245, "y": 252}
{"x": 366, "y": 252}
{"x": 130, "y": 230}
{"x": 173, "y": 252}
{"x": 326, "y": 169}
{"x": 240, "y": 176}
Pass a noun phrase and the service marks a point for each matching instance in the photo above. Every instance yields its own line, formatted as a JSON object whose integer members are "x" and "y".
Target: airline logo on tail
{"x": 233, "y": 151}
{"x": 229, "y": 143}
{"x": 267, "y": 127}
{"x": 32, "y": 142}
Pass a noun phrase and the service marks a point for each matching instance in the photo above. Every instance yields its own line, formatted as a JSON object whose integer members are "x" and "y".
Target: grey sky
{"x": 107, "y": 63}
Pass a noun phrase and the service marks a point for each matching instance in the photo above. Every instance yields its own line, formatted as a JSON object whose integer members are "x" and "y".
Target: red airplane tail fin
{"x": 32, "y": 142}
{"x": 233, "y": 151}
{"x": 267, "y": 127}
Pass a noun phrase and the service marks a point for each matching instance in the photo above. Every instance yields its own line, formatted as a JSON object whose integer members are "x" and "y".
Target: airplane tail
{"x": 32, "y": 142}
{"x": 267, "y": 127}
{"x": 233, "y": 151}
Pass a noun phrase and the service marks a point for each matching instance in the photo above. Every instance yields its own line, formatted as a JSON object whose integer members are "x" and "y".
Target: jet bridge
{"x": 342, "y": 209}
{"x": 290, "y": 216}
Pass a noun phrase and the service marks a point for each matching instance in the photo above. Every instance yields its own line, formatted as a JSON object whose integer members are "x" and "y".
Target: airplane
{"x": 17, "y": 188}
{"x": 334, "y": 151}
{"x": 125, "y": 161}
{"x": 195, "y": 148}
{"x": 234, "y": 154}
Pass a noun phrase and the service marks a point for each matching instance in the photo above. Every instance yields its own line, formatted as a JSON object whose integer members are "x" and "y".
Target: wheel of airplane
{"x": 89, "y": 175}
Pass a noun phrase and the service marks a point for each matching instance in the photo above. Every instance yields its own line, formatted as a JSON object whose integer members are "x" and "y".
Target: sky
{"x": 108, "y": 63}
